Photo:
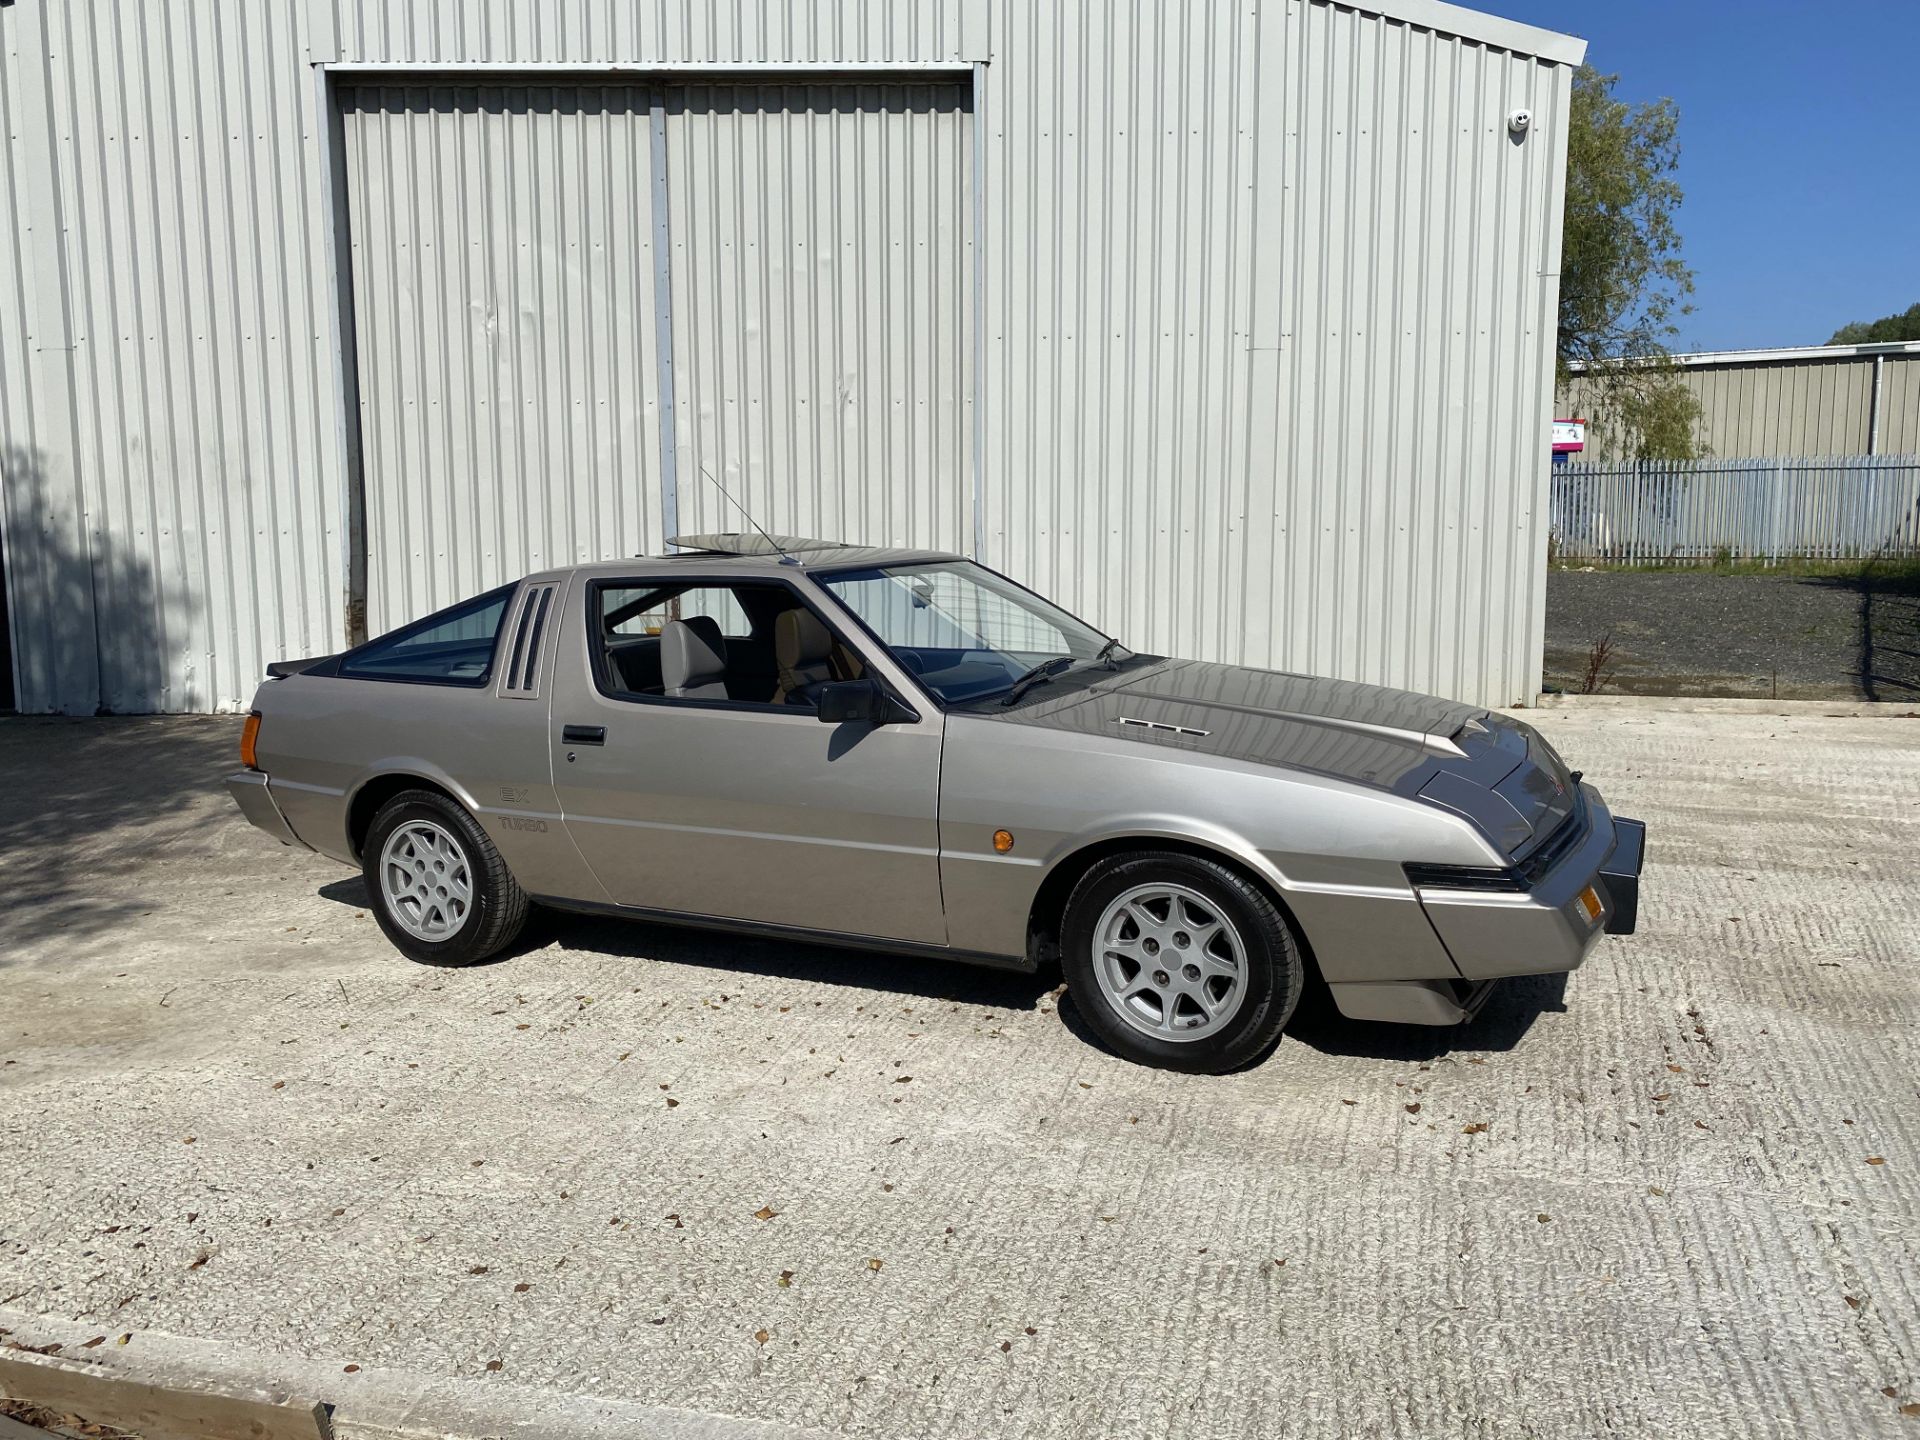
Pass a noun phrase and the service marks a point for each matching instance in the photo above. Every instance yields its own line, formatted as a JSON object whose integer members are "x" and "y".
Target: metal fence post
{"x": 1773, "y": 525}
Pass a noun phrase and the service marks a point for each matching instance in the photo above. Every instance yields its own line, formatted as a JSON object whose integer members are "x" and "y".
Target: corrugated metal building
{"x": 1230, "y": 326}
{"x": 1810, "y": 401}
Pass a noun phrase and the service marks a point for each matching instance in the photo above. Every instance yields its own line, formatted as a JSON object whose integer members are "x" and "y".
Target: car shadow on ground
{"x": 921, "y": 976}
{"x": 1317, "y": 1023}
{"x": 1510, "y": 1012}
{"x": 1501, "y": 1025}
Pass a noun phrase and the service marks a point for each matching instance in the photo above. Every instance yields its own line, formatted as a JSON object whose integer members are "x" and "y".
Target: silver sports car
{"x": 905, "y": 750}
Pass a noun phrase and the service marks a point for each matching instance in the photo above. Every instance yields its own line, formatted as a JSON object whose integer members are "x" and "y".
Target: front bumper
{"x": 1549, "y": 927}
{"x": 254, "y": 796}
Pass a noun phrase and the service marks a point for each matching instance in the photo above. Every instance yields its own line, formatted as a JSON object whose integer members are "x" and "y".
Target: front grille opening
{"x": 1466, "y": 877}
{"x": 1561, "y": 841}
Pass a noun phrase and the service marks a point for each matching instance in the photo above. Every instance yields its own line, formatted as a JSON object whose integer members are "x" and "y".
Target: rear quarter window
{"x": 451, "y": 647}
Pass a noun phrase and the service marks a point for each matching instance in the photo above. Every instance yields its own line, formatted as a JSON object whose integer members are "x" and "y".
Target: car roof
{"x": 757, "y": 555}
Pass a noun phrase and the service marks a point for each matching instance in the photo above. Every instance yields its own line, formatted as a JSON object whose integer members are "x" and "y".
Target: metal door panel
{"x": 759, "y": 815}
{"x": 503, "y": 272}
{"x": 822, "y": 281}
{"x": 749, "y": 812}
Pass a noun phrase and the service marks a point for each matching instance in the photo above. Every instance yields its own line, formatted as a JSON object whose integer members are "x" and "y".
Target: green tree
{"x": 1623, "y": 284}
{"x": 1904, "y": 326}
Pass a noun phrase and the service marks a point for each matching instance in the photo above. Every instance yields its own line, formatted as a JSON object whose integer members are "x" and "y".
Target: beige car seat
{"x": 693, "y": 659}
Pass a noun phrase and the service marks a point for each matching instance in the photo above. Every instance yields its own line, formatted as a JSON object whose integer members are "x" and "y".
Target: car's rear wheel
{"x": 1179, "y": 961}
{"x": 440, "y": 890}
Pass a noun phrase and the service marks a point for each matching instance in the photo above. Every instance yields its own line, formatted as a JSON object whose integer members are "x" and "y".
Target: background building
{"x": 1812, "y": 401}
{"x": 1230, "y": 326}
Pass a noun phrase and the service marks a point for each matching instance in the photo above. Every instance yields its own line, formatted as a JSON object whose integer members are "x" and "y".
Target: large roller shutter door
{"x": 821, "y": 260}
{"x": 507, "y": 337}
{"x": 503, "y": 305}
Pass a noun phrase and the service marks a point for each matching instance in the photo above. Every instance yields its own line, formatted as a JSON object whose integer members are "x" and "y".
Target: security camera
{"x": 1520, "y": 121}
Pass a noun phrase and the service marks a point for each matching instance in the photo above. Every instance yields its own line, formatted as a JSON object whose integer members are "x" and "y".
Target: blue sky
{"x": 1800, "y": 151}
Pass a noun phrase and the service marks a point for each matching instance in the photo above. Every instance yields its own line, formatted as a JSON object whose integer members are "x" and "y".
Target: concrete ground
{"x": 629, "y": 1172}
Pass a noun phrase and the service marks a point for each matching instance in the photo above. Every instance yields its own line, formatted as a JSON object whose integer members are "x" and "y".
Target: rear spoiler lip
{"x": 281, "y": 669}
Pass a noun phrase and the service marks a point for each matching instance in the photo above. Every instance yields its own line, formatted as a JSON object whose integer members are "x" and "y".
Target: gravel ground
{"x": 1696, "y": 633}
{"x": 887, "y": 1197}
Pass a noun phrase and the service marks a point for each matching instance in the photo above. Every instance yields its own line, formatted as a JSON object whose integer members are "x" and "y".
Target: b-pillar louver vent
{"x": 520, "y": 668}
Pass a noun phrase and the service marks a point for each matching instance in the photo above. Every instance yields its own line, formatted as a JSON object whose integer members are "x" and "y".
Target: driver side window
{"x": 717, "y": 602}
{"x": 705, "y": 642}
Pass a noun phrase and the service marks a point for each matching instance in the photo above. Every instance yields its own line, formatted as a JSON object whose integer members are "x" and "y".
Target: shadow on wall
{"x": 6, "y": 625}
{"x": 91, "y": 619}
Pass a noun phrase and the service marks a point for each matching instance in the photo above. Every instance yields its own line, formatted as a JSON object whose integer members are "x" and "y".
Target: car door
{"x": 740, "y": 808}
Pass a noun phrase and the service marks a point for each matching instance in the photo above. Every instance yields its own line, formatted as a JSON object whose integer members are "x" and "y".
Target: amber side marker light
{"x": 250, "y": 741}
{"x": 1590, "y": 904}
{"x": 1003, "y": 840}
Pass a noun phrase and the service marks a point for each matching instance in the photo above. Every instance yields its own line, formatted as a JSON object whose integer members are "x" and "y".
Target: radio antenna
{"x": 785, "y": 558}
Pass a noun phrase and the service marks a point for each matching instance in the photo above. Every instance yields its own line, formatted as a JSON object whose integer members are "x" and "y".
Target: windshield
{"x": 965, "y": 632}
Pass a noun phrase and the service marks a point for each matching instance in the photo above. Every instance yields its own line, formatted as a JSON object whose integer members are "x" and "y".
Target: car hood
{"x": 1485, "y": 766}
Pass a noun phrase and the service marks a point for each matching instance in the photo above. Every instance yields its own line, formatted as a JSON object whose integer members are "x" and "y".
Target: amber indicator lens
{"x": 249, "y": 741}
{"x": 1003, "y": 840}
{"x": 1590, "y": 904}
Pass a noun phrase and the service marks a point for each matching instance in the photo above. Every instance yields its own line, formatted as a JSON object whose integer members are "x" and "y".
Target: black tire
{"x": 498, "y": 908}
{"x": 1273, "y": 972}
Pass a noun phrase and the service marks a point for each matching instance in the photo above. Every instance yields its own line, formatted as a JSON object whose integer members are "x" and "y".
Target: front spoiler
{"x": 1412, "y": 1002}
{"x": 1620, "y": 873}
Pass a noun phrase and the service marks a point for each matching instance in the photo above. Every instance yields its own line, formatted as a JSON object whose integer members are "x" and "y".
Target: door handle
{"x": 583, "y": 735}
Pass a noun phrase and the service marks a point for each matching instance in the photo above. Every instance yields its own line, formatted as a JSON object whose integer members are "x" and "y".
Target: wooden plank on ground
{"x": 158, "y": 1412}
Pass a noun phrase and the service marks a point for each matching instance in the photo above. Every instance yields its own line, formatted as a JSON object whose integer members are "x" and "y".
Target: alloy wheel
{"x": 1169, "y": 962}
{"x": 426, "y": 880}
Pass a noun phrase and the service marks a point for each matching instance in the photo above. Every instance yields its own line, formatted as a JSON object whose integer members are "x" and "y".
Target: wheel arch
{"x": 1049, "y": 907}
{"x": 377, "y": 789}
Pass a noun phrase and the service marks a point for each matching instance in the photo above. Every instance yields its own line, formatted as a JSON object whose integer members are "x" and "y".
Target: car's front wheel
{"x": 440, "y": 890}
{"x": 1179, "y": 961}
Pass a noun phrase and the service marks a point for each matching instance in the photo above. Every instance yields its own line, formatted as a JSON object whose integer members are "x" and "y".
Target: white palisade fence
{"x": 1838, "y": 507}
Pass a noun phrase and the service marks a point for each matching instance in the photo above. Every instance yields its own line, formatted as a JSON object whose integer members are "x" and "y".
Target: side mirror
{"x": 860, "y": 702}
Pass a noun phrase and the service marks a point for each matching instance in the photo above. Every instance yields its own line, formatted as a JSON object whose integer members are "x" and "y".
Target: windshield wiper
{"x": 1045, "y": 670}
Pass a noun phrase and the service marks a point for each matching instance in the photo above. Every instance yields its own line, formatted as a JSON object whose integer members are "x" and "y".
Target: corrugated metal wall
{"x": 1785, "y": 408}
{"x": 1268, "y": 306}
{"x": 1272, "y": 295}
{"x": 171, "y": 464}
{"x": 652, "y": 32}
{"x": 1900, "y": 407}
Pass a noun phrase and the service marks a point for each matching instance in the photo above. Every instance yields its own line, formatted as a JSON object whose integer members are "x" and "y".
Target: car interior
{"x": 749, "y": 643}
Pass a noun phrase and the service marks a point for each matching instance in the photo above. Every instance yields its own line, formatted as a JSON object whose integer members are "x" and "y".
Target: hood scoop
{"x": 1162, "y": 726}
